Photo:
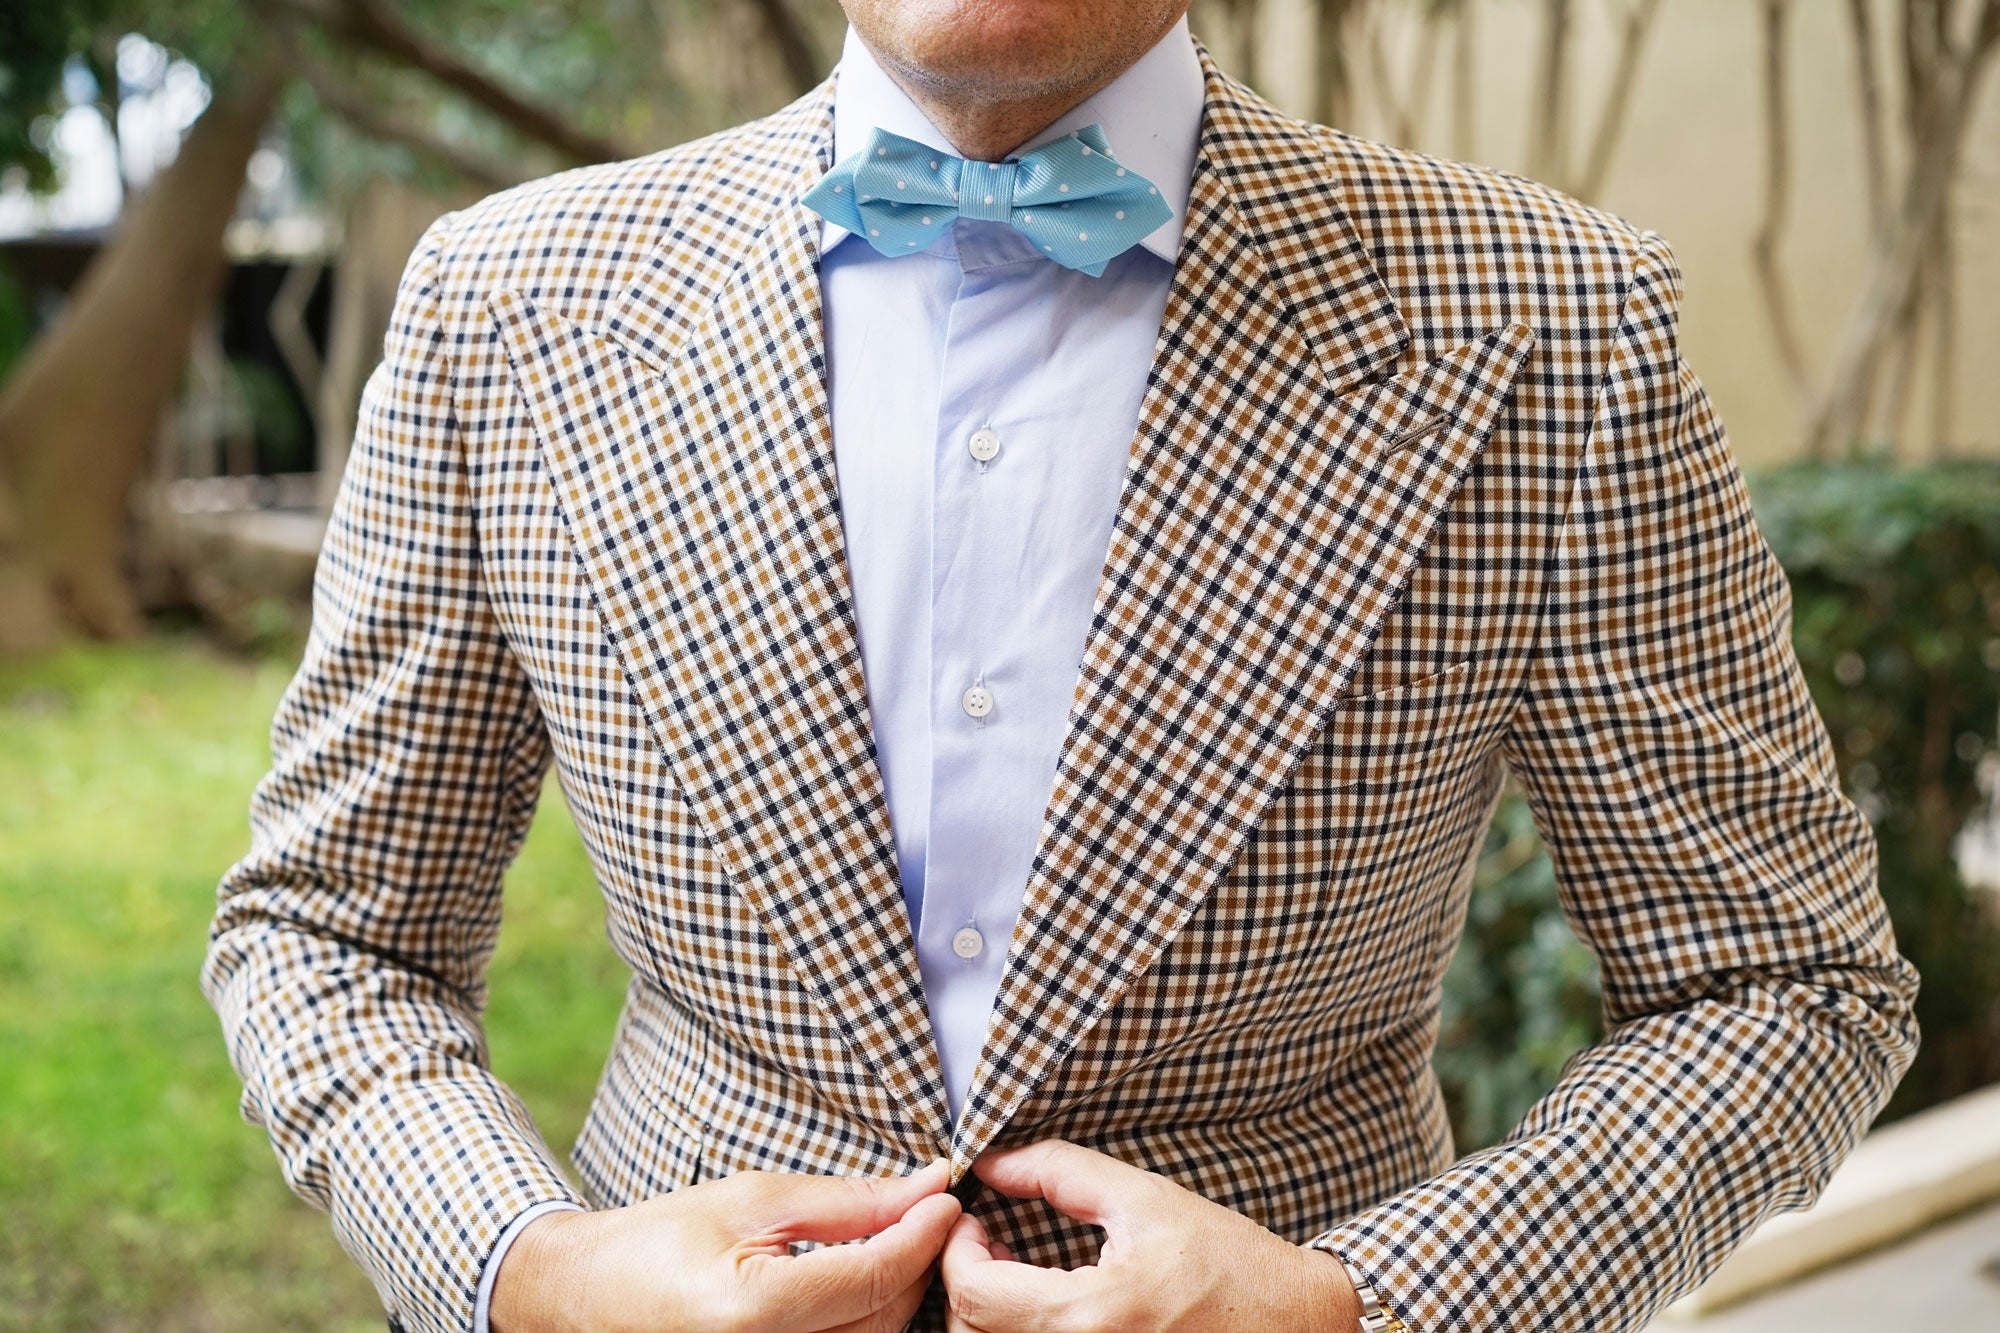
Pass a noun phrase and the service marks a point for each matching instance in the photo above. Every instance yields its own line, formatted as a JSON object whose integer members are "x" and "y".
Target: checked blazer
{"x": 1421, "y": 494}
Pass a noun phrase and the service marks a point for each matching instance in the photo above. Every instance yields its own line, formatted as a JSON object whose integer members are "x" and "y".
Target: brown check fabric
{"x": 1421, "y": 492}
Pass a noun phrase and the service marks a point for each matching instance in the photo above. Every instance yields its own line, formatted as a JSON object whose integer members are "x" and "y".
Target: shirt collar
{"x": 1151, "y": 116}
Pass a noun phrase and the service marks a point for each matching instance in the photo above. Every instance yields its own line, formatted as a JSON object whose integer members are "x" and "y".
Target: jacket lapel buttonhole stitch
{"x": 1420, "y": 432}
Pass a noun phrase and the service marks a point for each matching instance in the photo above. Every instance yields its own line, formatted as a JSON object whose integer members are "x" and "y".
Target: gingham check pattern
{"x": 1420, "y": 488}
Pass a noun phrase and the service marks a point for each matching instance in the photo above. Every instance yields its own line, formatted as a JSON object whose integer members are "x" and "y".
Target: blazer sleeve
{"x": 1758, "y": 1013}
{"x": 348, "y": 950}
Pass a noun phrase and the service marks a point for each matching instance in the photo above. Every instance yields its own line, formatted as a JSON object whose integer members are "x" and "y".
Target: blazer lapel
{"x": 691, "y": 453}
{"x": 1275, "y": 501}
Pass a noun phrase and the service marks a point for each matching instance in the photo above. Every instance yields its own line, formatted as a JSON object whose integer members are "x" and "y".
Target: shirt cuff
{"x": 1357, "y": 1279}
{"x": 492, "y": 1268}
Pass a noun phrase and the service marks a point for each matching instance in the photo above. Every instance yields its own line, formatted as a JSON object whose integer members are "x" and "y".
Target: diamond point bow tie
{"x": 1069, "y": 196}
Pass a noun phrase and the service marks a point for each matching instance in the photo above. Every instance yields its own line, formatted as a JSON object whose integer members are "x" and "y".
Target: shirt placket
{"x": 977, "y": 643}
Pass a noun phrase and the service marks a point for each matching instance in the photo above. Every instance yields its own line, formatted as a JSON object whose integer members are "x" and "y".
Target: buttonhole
{"x": 1423, "y": 430}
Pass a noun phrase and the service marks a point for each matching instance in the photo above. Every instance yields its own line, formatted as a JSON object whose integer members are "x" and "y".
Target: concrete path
{"x": 1947, "y": 1277}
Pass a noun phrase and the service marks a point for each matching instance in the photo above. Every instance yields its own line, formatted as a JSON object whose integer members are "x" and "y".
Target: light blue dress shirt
{"x": 984, "y": 401}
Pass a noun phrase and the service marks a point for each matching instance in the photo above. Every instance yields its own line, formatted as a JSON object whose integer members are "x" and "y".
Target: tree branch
{"x": 1943, "y": 94}
{"x": 1944, "y": 336}
{"x": 1889, "y": 406}
{"x": 1395, "y": 114}
{"x": 369, "y": 26}
{"x": 1868, "y": 92}
{"x": 1334, "y": 86}
{"x": 1777, "y": 201}
{"x": 1245, "y": 20}
{"x": 794, "y": 45}
{"x": 1639, "y": 18}
{"x": 366, "y": 116}
{"x": 1464, "y": 85}
{"x": 1417, "y": 100}
{"x": 1547, "y": 155}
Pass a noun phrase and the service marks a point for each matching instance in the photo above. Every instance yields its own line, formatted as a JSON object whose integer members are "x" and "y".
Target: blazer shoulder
{"x": 1465, "y": 247}
{"x": 578, "y": 236}
{"x": 1536, "y": 216}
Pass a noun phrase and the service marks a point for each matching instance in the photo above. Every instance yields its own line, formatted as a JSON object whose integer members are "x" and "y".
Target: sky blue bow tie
{"x": 1070, "y": 197}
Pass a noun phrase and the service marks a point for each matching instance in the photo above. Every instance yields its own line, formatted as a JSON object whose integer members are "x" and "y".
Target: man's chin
{"x": 1020, "y": 47}
{"x": 1002, "y": 73}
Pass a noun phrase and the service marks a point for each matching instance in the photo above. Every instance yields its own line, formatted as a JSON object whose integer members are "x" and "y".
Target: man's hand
{"x": 1171, "y": 1259}
{"x": 714, "y": 1257}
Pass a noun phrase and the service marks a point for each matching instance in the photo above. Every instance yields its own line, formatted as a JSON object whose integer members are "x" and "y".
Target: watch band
{"x": 1374, "y": 1319}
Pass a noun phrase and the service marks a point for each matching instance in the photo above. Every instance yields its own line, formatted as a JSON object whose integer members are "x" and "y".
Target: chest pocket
{"x": 1351, "y": 856}
{"x": 1407, "y": 735}
{"x": 1368, "y": 805}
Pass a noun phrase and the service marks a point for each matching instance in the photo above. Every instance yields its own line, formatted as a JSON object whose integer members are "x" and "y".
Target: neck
{"x": 987, "y": 129}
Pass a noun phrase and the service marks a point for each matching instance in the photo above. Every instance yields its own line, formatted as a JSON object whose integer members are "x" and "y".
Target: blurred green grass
{"x": 133, "y": 1195}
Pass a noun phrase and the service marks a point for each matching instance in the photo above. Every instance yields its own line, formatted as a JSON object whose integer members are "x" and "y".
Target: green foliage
{"x": 598, "y": 64}
{"x": 280, "y": 426}
{"x": 626, "y": 71}
{"x": 1896, "y": 621}
{"x": 135, "y": 1196}
{"x": 17, "y": 324}
{"x": 38, "y": 38}
{"x": 578, "y": 57}
{"x": 1521, "y": 995}
{"x": 1896, "y": 618}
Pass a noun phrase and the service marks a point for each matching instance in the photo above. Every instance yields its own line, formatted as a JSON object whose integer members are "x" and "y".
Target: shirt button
{"x": 977, "y": 701}
{"x": 983, "y": 444}
{"x": 967, "y": 943}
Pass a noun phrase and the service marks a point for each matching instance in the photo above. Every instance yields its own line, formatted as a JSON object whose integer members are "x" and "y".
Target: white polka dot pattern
{"x": 890, "y": 173}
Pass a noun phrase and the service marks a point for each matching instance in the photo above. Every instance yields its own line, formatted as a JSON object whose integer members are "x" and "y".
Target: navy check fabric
{"x": 1422, "y": 494}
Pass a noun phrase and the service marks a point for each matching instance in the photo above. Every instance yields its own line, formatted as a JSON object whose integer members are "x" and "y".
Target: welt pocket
{"x": 675, "y": 1153}
{"x": 1399, "y": 733}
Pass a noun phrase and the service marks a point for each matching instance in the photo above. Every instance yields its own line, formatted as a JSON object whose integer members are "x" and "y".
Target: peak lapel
{"x": 1272, "y": 508}
{"x": 691, "y": 453}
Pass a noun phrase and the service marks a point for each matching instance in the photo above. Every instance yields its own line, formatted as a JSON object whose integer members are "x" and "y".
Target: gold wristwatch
{"x": 1374, "y": 1319}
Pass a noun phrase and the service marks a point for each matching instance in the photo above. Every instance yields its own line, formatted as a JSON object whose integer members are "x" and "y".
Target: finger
{"x": 966, "y": 1245}
{"x": 892, "y": 1317}
{"x": 977, "y": 1229}
{"x": 836, "y": 1208}
{"x": 973, "y": 1226}
{"x": 1079, "y": 1181}
{"x": 994, "y": 1295}
{"x": 843, "y": 1284}
{"x": 1000, "y": 1297}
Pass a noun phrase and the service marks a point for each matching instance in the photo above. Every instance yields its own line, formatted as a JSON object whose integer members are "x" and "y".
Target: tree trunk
{"x": 1333, "y": 85}
{"x": 29, "y": 620}
{"x": 1548, "y": 148}
{"x": 380, "y": 229}
{"x": 1901, "y": 250}
{"x": 79, "y": 416}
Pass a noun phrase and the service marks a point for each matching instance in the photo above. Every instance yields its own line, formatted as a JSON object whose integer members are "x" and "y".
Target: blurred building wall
{"x": 1690, "y": 167}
